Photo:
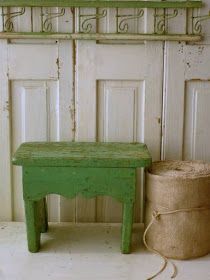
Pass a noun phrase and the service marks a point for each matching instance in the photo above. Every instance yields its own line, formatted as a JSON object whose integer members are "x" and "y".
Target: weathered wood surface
{"x": 101, "y": 3}
{"x": 82, "y": 154}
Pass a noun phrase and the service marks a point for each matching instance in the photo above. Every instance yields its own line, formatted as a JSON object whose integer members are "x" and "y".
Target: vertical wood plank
{"x": 66, "y": 114}
{"x": 85, "y": 114}
{"x": 189, "y": 64}
{"x": 183, "y": 64}
{"x": 174, "y": 88}
{"x": 6, "y": 212}
{"x": 153, "y": 98}
{"x": 85, "y": 106}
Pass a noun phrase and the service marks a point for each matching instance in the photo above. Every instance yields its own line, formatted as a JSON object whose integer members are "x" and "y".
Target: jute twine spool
{"x": 178, "y": 210}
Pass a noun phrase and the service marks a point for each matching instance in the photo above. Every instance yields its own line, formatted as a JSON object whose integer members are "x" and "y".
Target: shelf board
{"x": 100, "y": 36}
{"x": 101, "y": 3}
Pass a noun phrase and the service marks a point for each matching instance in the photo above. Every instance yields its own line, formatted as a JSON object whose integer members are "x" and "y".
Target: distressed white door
{"x": 118, "y": 98}
{"x": 83, "y": 91}
{"x": 36, "y": 81}
{"x": 187, "y": 98}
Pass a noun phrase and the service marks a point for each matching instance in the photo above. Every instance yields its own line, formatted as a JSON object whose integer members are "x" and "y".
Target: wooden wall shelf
{"x": 86, "y": 23}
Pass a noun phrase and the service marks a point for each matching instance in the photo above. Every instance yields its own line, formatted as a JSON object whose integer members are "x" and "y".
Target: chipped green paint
{"x": 70, "y": 169}
{"x": 88, "y": 182}
{"x": 101, "y": 3}
{"x": 82, "y": 154}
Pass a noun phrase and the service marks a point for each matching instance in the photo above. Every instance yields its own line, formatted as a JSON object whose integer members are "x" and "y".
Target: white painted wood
{"x": 23, "y": 22}
{"x": 41, "y": 95}
{"x": 186, "y": 122}
{"x": 174, "y": 99}
{"x": 66, "y": 114}
{"x": 25, "y": 60}
{"x": 27, "y": 125}
{"x": 185, "y": 94}
{"x": 120, "y": 110}
{"x": 40, "y": 61}
{"x": 5, "y": 137}
{"x": 197, "y": 120}
{"x": 31, "y": 65}
{"x": 112, "y": 83}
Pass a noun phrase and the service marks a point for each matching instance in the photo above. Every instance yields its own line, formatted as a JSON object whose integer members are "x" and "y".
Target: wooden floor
{"x": 85, "y": 252}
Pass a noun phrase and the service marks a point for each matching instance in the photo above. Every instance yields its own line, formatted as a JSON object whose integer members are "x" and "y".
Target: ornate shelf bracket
{"x": 196, "y": 23}
{"x": 162, "y": 19}
{"x": 85, "y": 21}
{"x": 122, "y": 20}
{"x": 116, "y": 19}
{"x": 47, "y": 17}
{"x": 8, "y": 17}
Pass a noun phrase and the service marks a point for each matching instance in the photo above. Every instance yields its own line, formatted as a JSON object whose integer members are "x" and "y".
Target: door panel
{"x": 120, "y": 116}
{"x": 197, "y": 121}
{"x": 33, "y": 62}
{"x": 118, "y": 98}
{"x": 187, "y": 96}
{"x": 38, "y": 96}
{"x": 36, "y": 103}
{"x": 33, "y": 103}
{"x": 5, "y": 136}
{"x": 120, "y": 110}
{"x": 187, "y": 119}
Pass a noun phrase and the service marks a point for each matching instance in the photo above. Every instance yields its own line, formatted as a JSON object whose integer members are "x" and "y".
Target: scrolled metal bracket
{"x": 123, "y": 25}
{"x": 162, "y": 19}
{"x": 85, "y": 25}
{"x": 196, "y": 23}
{"x": 8, "y": 25}
{"x": 47, "y": 18}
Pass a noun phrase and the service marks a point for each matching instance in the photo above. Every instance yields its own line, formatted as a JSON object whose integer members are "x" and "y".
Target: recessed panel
{"x": 33, "y": 62}
{"x": 120, "y": 111}
{"x": 34, "y": 118}
{"x": 120, "y": 118}
{"x": 197, "y": 121}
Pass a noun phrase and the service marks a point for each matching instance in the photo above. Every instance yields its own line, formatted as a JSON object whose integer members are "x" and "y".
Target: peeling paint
{"x": 158, "y": 120}
{"x": 58, "y": 65}
{"x": 181, "y": 49}
{"x": 6, "y": 107}
{"x": 200, "y": 50}
{"x": 72, "y": 112}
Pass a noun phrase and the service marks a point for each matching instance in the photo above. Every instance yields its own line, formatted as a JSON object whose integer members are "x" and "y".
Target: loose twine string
{"x": 155, "y": 217}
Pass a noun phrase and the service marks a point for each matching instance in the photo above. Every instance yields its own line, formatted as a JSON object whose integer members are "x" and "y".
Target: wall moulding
{"x": 129, "y": 18}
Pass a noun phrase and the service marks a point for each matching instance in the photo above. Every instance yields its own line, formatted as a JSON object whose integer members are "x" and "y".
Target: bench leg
{"x": 43, "y": 215}
{"x": 127, "y": 227}
{"x": 32, "y": 225}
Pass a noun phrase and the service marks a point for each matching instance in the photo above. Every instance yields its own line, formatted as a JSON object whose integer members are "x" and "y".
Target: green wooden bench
{"x": 69, "y": 169}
